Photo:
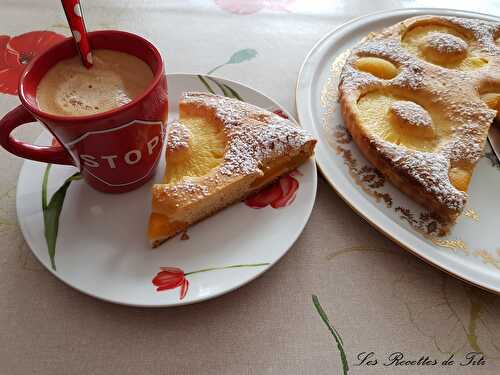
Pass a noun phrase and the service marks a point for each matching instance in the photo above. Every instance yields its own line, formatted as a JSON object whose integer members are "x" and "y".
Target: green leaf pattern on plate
{"x": 225, "y": 89}
{"x": 205, "y": 83}
{"x": 52, "y": 211}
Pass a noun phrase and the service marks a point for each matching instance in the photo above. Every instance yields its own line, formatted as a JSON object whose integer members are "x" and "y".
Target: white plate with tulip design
{"x": 97, "y": 243}
{"x": 471, "y": 251}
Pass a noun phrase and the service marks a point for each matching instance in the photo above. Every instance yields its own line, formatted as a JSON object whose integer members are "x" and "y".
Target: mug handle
{"x": 46, "y": 154}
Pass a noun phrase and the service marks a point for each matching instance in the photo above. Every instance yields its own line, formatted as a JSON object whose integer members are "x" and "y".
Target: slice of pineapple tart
{"x": 418, "y": 99}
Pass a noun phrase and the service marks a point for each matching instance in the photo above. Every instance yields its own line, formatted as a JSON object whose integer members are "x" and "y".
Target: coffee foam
{"x": 70, "y": 89}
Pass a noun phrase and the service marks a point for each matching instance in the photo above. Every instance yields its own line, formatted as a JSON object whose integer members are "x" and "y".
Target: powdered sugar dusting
{"x": 410, "y": 69}
{"x": 254, "y": 135}
{"x": 483, "y": 31}
{"x": 178, "y": 136}
{"x": 445, "y": 43}
{"x": 411, "y": 113}
{"x": 177, "y": 192}
{"x": 430, "y": 170}
{"x": 450, "y": 93}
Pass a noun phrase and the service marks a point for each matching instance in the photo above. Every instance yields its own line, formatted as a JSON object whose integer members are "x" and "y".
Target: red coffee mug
{"x": 117, "y": 150}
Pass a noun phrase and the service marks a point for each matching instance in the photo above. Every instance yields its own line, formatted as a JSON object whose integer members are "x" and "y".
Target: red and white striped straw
{"x": 74, "y": 15}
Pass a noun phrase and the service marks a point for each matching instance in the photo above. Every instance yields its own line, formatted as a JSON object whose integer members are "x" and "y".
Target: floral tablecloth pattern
{"x": 341, "y": 302}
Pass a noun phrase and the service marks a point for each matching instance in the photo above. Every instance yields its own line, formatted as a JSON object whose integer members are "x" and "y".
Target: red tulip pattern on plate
{"x": 173, "y": 277}
{"x": 278, "y": 195}
{"x": 281, "y": 193}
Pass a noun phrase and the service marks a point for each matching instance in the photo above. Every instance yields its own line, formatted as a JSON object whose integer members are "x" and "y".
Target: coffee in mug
{"x": 109, "y": 120}
{"x": 115, "y": 79}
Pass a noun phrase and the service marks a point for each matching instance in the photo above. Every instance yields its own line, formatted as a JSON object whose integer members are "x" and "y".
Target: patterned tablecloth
{"x": 377, "y": 297}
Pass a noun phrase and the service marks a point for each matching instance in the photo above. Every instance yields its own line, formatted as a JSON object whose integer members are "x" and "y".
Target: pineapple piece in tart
{"x": 220, "y": 151}
{"x": 418, "y": 98}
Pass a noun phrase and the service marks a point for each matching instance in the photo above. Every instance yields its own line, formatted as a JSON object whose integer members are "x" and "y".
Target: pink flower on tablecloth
{"x": 244, "y": 7}
{"x": 18, "y": 51}
{"x": 279, "y": 194}
{"x": 171, "y": 278}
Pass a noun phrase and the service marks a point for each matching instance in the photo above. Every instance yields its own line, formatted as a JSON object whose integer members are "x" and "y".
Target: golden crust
{"x": 449, "y": 92}
{"x": 260, "y": 147}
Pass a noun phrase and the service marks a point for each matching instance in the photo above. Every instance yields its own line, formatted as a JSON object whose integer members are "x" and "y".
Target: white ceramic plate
{"x": 102, "y": 249}
{"x": 472, "y": 250}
